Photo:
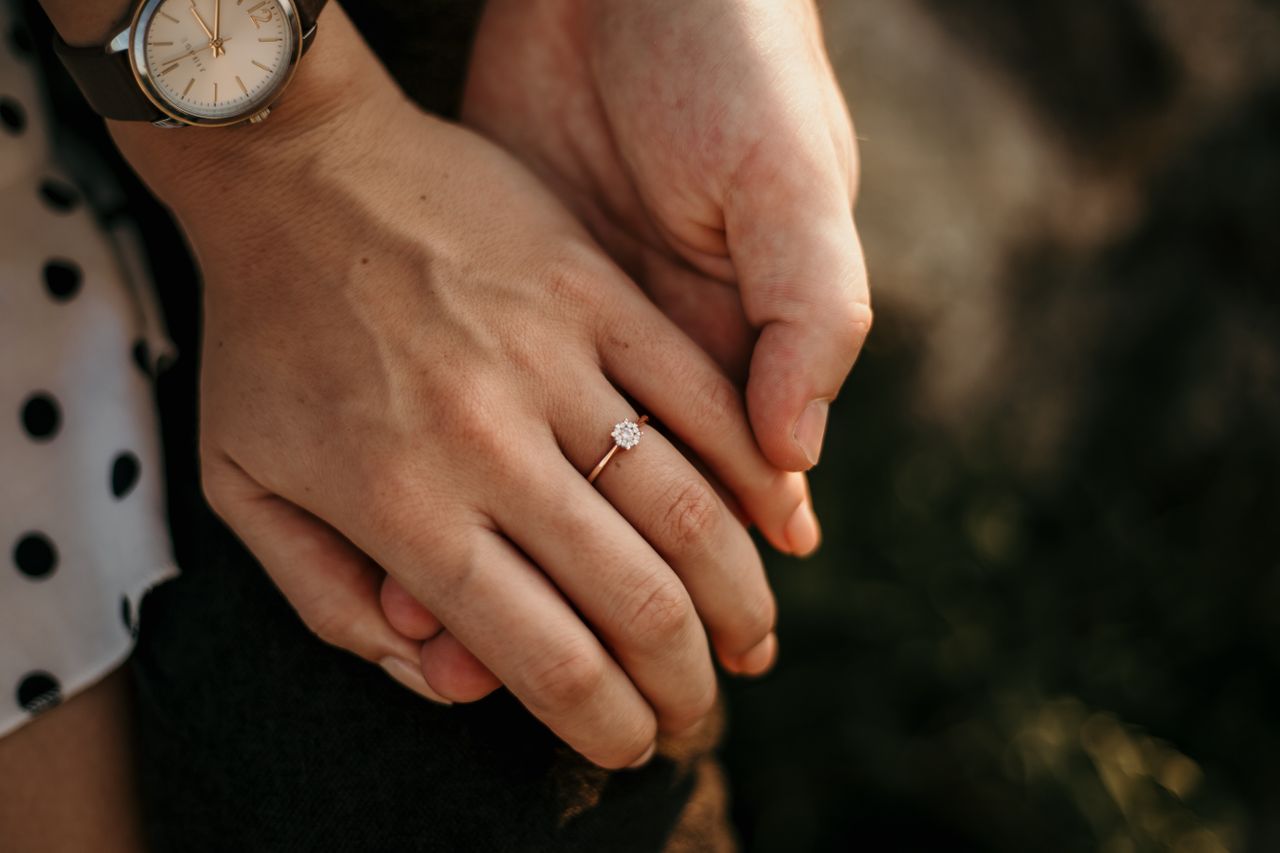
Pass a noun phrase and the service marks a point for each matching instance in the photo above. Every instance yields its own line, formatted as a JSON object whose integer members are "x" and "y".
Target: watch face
{"x": 215, "y": 61}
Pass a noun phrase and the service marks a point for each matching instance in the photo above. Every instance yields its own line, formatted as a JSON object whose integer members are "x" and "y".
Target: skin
{"x": 707, "y": 145}
{"x": 362, "y": 374}
{"x": 670, "y": 127}
{"x": 413, "y": 377}
{"x": 68, "y": 784}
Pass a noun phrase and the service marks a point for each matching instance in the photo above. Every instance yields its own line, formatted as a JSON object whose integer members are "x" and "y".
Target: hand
{"x": 412, "y": 355}
{"x": 708, "y": 147}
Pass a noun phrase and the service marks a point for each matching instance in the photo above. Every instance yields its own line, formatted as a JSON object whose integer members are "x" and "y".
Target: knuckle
{"x": 575, "y": 675}
{"x": 659, "y": 612}
{"x": 472, "y": 420}
{"x": 692, "y": 516}
{"x": 573, "y": 282}
{"x": 856, "y": 319}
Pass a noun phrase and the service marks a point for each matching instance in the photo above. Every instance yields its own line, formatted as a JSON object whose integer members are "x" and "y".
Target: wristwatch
{"x": 209, "y": 63}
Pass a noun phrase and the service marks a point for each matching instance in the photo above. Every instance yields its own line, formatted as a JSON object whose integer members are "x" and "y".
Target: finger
{"x": 709, "y": 311}
{"x": 624, "y": 590}
{"x": 673, "y": 507}
{"x": 672, "y": 378}
{"x": 453, "y": 671}
{"x": 450, "y": 669}
{"x": 405, "y": 614}
{"x": 329, "y": 582}
{"x": 706, "y": 308}
{"x": 509, "y": 615}
{"x": 804, "y": 285}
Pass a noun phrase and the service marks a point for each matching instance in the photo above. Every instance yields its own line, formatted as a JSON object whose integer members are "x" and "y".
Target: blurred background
{"x": 1046, "y": 613}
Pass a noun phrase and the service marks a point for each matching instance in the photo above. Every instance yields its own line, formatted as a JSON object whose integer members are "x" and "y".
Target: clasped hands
{"x": 418, "y": 336}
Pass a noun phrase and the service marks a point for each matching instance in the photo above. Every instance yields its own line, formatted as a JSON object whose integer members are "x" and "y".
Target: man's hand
{"x": 412, "y": 355}
{"x": 708, "y": 147}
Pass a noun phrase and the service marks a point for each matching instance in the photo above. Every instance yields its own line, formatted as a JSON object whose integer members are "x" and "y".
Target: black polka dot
{"x": 59, "y": 196}
{"x": 21, "y": 40}
{"x": 126, "y": 613}
{"x": 41, "y": 416}
{"x": 12, "y": 116}
{"x": 35, "y": 556}
{"x": 124, "y": 474}
{"x": 62, "y": 279}
{"x": 38, "y": 691}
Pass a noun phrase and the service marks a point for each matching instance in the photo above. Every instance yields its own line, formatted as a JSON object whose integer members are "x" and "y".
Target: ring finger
{"x": 673, "y": 506}
{"x": 630, "y": 596}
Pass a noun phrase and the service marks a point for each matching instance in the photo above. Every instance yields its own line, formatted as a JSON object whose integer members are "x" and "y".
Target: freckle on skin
{"x": 422, "y": 198}
{"x": 364, "y": 260}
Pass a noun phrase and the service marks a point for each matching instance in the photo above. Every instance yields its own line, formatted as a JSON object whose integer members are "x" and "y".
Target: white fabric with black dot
{"x": 82, "y": 517}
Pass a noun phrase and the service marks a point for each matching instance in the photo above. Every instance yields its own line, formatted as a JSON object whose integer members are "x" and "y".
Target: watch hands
{"x": 191, "y": 52}
{"x": 217, "y": 28}
{"x": 215, "y": 43}
{"x": 199, "y": 20}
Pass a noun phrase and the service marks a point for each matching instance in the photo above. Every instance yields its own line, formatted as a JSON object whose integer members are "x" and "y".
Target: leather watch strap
{"x": 308, "y": 12}
{"x": 106, "y": 79}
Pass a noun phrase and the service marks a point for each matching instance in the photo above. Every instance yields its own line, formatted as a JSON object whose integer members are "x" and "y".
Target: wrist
{"x": 205, "y": 173}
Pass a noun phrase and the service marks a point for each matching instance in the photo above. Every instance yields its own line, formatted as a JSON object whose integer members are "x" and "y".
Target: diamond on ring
{"x": 626, "y": 434}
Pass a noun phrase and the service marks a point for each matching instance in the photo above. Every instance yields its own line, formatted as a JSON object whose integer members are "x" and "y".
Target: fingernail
{"x": 810, "y": 428}
{"x": 760, "y": 659}
{"x": 803, "y": 533}
{"x": 644, "y": 759}
{"x": 410, "y": 675}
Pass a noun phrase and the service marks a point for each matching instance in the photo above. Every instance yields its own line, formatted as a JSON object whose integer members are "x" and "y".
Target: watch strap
{"x": 308, "y": 12}
{"x": 106, "y": 79}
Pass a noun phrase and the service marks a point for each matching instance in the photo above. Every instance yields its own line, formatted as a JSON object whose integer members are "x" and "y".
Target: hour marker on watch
{"x": 167, "y": 70}
{"x": 270, "y": 39}
{"x": 215, "y": 94}
{"x": 161, "y": 43}
{"x": 190, "y": 83}
{"x": 242, "y": 86}
{"x": 167, "y": 15}
{"x": 263, "y": 67}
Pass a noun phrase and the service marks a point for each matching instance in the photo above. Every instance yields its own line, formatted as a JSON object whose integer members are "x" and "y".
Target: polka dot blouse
{"x": 82, "y": 524}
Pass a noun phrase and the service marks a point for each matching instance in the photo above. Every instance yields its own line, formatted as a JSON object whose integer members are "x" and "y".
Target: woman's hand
{"x": 412, "y": 354}
{"x": 709, "y": 148}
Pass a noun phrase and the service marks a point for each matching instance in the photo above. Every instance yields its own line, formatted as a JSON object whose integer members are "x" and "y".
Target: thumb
{"x": 803, "y": 281}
